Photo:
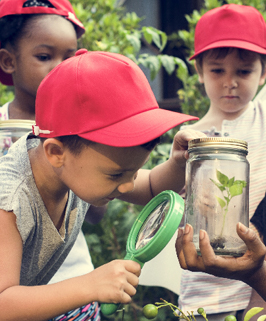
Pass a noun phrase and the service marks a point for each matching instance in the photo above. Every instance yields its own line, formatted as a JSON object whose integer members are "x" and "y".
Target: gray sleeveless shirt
{"x": 44, "y": 247}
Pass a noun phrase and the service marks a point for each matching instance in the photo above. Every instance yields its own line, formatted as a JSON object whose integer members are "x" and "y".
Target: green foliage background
{"x": 110, "y": 28}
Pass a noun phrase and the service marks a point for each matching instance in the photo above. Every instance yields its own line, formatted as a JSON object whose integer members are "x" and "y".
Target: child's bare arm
{"x": 167, "y": 176}
{"x": 249, "y": 268}
{"x": 10, "y": 251}
{"x": 113, "y": 282}
{"x": 171, "y": 174}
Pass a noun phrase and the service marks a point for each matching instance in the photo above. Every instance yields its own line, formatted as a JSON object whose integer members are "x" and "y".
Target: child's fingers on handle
{"x": 132, "y": 267}
{"x": 126, "y": 293}
{"x": 126, "y": 298}
{"x": 130, "y": 289}
{"x": 132, "y": 279}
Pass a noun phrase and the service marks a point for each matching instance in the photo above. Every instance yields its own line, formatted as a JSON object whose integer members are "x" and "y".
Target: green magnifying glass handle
{"x": 109, "y": 308}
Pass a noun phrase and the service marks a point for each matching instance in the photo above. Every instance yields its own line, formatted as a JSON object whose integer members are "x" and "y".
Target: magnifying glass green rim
{"x": 161, "y": 238}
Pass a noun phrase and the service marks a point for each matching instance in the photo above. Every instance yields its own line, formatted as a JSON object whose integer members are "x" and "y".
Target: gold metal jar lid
{"x": 218, "y": 142}
{"x": 16, "y": 124}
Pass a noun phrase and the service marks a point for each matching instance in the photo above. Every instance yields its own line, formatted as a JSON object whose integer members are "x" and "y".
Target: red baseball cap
{"x": 231, "y": 25}
{"x": 58, "y": 7}
{"x": 103, "y": 97}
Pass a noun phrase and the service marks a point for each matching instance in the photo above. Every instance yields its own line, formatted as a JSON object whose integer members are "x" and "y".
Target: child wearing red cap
{"x": 230, "y": 57}
{"x": 98, "y": 121}
{"x": 36, "y": 35}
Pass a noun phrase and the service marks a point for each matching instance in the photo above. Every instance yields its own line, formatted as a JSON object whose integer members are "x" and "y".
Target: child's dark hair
{"x": 75, "y": 143}
{"x": 13, "y": 27}
{"x": 220, "y": 53}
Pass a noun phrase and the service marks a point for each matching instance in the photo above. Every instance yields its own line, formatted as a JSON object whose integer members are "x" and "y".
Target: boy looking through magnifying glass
{"x": 97, "y": 121}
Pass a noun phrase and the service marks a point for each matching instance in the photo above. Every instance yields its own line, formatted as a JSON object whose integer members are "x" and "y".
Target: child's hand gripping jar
{"x": 217, "y": 192}
{"x": 11, "y": 130}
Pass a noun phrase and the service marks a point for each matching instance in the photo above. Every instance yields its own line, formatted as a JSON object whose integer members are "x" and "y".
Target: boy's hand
{"x": 247, "y": 268}
{"x": 116, "y": 282}
{"x": 180, "y": 144}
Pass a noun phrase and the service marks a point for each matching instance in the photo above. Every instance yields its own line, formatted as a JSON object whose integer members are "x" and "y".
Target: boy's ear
{"x": 262, "y": 78}
{"x": 7, "y": 61}
{"x": 200, "y": 76}
{"x": 54, "y": 151}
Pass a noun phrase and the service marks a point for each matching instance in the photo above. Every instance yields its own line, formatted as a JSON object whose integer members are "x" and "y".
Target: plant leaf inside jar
{"x": 229, "y": 188}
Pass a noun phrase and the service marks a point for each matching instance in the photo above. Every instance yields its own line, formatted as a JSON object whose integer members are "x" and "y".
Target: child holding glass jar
{"x": 230, "y": 62}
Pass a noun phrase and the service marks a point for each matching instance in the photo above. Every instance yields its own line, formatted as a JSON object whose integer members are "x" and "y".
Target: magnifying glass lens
{"x": 152, "y": 224}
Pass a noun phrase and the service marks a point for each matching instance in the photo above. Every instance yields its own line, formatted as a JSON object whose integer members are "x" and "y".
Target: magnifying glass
{"x": 152, "y": 230}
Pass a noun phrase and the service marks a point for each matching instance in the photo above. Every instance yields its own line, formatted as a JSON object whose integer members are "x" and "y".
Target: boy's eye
{"x": 244, "y": 72}
{"x": 43, "y": 57}
{"x": 217, "y": 71}
{"x": 116, "y": 176}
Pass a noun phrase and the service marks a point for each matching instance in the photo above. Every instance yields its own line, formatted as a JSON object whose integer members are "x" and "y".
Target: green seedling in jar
{"x": 230, "y": 188}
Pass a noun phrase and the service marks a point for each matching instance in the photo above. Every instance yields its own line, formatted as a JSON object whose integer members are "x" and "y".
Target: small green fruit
{"x": 200, "y": 311}
{"x": 150, "y": 311}
{"x": 230, "y": 318}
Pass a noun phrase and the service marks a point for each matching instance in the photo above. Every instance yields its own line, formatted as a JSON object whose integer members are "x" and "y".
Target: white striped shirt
{"x": 217, "y": 295}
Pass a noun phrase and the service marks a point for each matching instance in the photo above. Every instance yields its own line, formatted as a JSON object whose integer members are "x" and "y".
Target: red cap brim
{"x": 231, "y": 43}
{"x": 138, "y": 129}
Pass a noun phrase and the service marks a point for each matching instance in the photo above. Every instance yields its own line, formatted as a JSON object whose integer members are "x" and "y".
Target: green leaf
{"x": 182, "y": 71}
{"x": 154, "y": 65}
{"x": 243, "y": 183}
{"x": 135, "y": 42}
{"x": 252, "y": 312}
{"x": 227, "y": 199}
{"x": 151, "y": 34}
{"x": 221, "y": 187}
{"x": 222, "y": 178}
{"x": 168, "y": 62}
{"x": 220, "y": 201}
{"x": 147, "y": 35}
{"x": 164, "y": 40}
{"x": 231, "y": 181}
{"x": 236, "y": 189}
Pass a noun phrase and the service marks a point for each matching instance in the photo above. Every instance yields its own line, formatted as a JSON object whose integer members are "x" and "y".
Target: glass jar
{"x": 11, "y": 130}
{"x": 217, "y": 192}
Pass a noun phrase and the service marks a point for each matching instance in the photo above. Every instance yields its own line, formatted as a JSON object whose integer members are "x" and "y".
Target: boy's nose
{"x": 126, "y": 187}
{"x": 230, "y": 83}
